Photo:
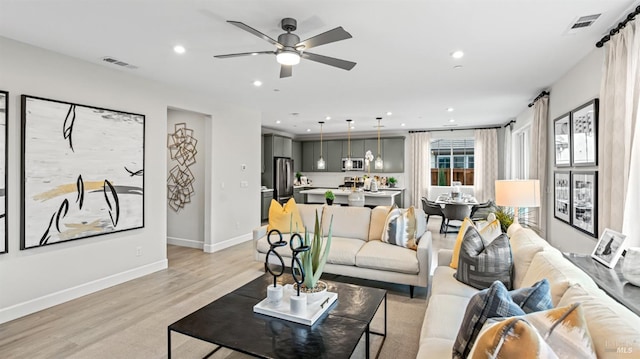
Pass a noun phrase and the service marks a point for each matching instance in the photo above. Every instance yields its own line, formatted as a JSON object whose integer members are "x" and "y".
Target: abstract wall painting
{"x": 182, "y": 149}
{"x": 82, "y": 170}
{"x": 584, "y": 134}
{"x": 584, "y": 201}
{"x": 4, "y": 114}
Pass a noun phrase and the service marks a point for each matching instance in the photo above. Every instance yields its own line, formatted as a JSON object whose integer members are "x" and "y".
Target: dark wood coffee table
{"x": 231, "y": 323}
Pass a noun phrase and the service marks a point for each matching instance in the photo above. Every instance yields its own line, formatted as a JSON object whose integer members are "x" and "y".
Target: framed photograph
{"x": 562, "y": 193}
{"x": 562, "y": 138}
{"x": 4, "y": 117}
{"x": 609, "y": 248}
{"x": 584, "y": 134}
{"x": 82, "y": 171}
{"x": 584, "y": 201}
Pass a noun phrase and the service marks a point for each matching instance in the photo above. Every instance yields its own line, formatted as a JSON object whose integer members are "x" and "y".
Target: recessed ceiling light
{"x": 389, "y": 113}
{"x": 278, "y": 122}
{"x": 457, "y": 54}
{"x": 179, "y": 49}
{"x": 308, "y": 130}
{"x": 328, "y": 118}
{"x": 276, "y": 90}
{"x": 457, "y": 67}
{"x": 254, "y": 54}
{"x": 450, "y": 109}
{"x": 452, "y": 120}
{"x": 402, "y": 124}
{"x": 257, "y": 83}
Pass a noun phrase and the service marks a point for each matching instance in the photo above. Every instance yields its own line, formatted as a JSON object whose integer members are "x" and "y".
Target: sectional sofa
{"x": 614, "y": 329}
{"x": 356, "y": 248}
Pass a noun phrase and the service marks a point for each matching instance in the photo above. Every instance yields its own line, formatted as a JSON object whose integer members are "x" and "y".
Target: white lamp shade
{"x": 518, "y": 193}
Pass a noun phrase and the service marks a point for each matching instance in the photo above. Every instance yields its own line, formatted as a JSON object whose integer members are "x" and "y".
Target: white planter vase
{"x": 631, "y": 266}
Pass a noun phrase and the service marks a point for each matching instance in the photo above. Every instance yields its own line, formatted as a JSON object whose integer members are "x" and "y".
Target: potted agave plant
{"x": 314, "y": 259}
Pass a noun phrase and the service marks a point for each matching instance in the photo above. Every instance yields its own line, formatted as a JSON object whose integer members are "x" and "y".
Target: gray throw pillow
{"x": 480, "y": 266}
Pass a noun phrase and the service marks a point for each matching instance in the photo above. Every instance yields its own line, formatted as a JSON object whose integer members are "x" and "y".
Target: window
{"x": 452, "y": 159}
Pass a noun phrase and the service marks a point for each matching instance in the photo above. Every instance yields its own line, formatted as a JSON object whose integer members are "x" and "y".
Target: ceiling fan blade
{"x": 330, "y": 36}
{"x": 286, "y": 71}
{"x": 257, "y": 33}
{"x": 245, "y": 54}
{"x": 331, "y": 61}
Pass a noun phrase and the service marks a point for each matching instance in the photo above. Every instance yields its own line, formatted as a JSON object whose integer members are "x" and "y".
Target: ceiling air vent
{"x": 582, "y": 22}
{"x": 115, "y": 61}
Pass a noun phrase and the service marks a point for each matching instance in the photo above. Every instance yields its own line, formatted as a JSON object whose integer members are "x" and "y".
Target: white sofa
{"x": 614, "y": 329}
{"x": 356, "y": 248}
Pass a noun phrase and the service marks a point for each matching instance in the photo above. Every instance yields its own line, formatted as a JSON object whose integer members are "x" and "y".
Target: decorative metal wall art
{"x": 182, "y": 148}
{"x": 82, "y": 171}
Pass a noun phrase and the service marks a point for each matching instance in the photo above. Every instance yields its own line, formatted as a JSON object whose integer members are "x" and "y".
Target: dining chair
{"x": 432, "y": 209}
{"x": 479, "y": 212}
{"x": 456, "y": 212}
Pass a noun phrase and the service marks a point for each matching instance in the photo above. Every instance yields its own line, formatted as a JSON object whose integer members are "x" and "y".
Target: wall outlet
{"x": 138, "y": 251}
{"x": 243, "y": 167}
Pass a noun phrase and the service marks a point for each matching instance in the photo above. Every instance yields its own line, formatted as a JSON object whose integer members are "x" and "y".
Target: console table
{"x": 609, "y": 280}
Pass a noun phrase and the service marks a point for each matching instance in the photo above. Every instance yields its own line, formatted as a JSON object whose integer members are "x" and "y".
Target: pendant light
{"x": 378, "y": 164}
{"x": 348, "y": 165}
{"x": 321, "y": 162}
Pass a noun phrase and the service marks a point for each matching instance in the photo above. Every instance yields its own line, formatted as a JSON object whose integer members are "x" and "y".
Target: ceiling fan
{"x": 289, "y": 48}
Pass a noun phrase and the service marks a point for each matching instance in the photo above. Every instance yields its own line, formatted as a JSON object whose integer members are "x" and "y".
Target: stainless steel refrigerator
{"x": 282, "y": 178}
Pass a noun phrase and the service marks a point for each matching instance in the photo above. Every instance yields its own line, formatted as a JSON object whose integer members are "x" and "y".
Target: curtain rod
{"x": 541, "y": 95}
{"x": 509, "y": 123}
{"x": 617, "y": 29}
{"x": 456, "y": 129}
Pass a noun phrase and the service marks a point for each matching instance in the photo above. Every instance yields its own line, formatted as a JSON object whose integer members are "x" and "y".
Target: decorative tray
{"x": 282, "y": 310}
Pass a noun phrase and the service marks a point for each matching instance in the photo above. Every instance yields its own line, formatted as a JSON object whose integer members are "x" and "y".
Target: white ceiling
{"x": 513, "y": 50}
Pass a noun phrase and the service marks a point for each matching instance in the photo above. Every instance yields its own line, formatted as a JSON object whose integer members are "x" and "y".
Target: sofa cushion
{"x": 613, "y": 327}
{"x": 308, "y": 214}
{"x": 400, "y": 228}
{"x": 443, "y": 317}
{"x": 558, "y": 271}
{"x": 489, "y": 303}
{"x": 378, "y": 217}
{"x": 384, "y": 256}
{"x": 285, "y": 218}
{"x": 434, "y": 348}
{"x": 344, "y": 250}
{"x": 444, "y": 282}
{"x": 262, "y": 245}
{"x": 348, "y": 222}
{"x": 479, "y": 265}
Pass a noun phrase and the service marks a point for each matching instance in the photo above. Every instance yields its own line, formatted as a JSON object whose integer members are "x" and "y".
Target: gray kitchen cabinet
{"x": 266, "y": 202}
{"x": 371, "y": 144}
{"x": 296, "y": 154}
{"x": 308, "y": 163}
{"x": 357, "y": 148}
{"x": 334, "y": 155}
{"x": 297, "y": 196}
{"x": 393, "y": 154}
{"x": 287, "y": 147}
{"x": 273, "y": 146}
{"x": 281, "y": 146}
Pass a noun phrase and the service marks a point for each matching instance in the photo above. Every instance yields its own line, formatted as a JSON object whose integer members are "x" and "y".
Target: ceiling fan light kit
{"x": 289, "y": 48}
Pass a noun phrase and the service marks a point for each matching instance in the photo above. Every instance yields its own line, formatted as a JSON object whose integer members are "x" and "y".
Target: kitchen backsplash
{"x": 334, "y": 179}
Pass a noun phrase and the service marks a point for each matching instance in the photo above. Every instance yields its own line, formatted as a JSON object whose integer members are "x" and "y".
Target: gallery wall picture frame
{"x": 584, "y": 134}
{"x": 4, "y": 140}
{"x": 82, "y": 171}
{"x": 609, "y": 247}
{"x": 584, "y": 201}
{"x": 562, "y": 196}
{"x": 562, "y": 139}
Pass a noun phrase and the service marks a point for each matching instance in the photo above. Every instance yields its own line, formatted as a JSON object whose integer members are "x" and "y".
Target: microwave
{"x": 358, "y": 164}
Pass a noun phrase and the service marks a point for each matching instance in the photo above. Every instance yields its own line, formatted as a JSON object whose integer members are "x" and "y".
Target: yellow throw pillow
{"x": 285, "y": 219}
{"x": 488, "y": 233}
{"x": 456, "y": 247}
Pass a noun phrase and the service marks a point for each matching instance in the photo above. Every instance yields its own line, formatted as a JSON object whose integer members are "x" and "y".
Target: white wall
{"x": 34, "y": 279}
{"x": 578, "y": 86}
{"x": 186, "y": 226}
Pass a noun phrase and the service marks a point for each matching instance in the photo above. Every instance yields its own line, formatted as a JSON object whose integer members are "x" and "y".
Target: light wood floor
{"x": 130, "y": 320}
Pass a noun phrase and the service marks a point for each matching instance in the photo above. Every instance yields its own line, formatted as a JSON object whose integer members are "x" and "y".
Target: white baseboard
{"x": 65, "y": 295}
{"x": 185, "y": 242}
{"x": 210, "y": 248}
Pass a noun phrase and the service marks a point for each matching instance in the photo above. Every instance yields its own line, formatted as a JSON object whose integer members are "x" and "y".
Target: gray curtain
{"x": 419, "y": 166}
{"x": 538, "y": 162}
{"x": 619, "y": 97}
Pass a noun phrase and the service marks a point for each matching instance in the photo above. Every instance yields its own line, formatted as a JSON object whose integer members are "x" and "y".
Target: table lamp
{"x": 517, "y": 193}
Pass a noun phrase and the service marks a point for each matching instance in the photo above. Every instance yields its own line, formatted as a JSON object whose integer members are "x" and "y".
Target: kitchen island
{"x": 380, "y": 198}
